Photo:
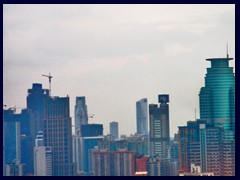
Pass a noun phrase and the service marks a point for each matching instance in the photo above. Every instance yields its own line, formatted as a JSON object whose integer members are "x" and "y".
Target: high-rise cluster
{"x": 39, "y": 141}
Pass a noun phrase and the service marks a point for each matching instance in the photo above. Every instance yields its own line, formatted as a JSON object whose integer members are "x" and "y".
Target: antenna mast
{"x": 227, "y": 51}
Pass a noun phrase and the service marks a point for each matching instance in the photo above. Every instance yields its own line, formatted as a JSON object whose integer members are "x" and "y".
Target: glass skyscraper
{"x": 217, "y": 97}
{"x": 142, "y": 116}
{"x": 81, "y": 114}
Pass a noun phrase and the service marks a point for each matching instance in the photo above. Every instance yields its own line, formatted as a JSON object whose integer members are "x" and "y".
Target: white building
{"x": 42, "y": 157}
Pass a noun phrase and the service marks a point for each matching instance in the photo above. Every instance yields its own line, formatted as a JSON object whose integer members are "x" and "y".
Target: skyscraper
{"x": 217, "y": 97}
{"x": 42, "y": 157}
{"x": 35, "y": 104}
{"x": 159, "y": 127}
{"x": 81, "y": 114}
{"x": 57, "y": 133}
{"x": 114, "y": 130}
{"x": 142, "y": 116}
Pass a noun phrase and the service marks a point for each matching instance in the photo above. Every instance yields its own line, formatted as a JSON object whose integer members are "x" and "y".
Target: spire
{"x": 227, "y": 51}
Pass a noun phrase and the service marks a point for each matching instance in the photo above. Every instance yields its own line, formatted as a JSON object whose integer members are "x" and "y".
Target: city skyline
{"x": 115, "y": 55}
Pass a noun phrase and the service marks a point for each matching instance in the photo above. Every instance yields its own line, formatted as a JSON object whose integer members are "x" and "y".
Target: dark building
{"x": 57, "y": 133}
{"x": 91, "y": 130}
{"x": 159, "y": 127}
{"x": 35, "y": 104}
{"x": 22, "y": 122}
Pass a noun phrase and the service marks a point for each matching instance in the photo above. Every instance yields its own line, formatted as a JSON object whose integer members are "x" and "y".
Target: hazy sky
{"x": 115, "y": 55}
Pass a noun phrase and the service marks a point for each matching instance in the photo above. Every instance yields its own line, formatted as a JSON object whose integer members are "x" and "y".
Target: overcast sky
{"x": 115, "y": 55}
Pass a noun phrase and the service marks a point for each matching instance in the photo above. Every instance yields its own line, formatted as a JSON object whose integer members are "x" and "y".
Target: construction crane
{"x": 49, "y": 78}
{"x": 15, "y": 108}
{"x": 89, "y": 116}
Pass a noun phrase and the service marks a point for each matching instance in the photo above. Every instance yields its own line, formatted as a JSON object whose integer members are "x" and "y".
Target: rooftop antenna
{"x": 227, "y": 51}
{"x": 49, "y": 78}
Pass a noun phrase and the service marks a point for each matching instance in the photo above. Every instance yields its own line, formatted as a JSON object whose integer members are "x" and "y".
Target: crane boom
{"x": 49, "y": 78}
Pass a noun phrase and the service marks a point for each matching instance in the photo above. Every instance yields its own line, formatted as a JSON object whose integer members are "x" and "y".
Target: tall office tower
{"x": 57, "y": 133}
{"x": 142, "y": 116}
{"x": 116, "y": 163}
{"x": 114, "y": 130}
{"x": 81, "y": 114}
{"x": 159, "y": 127}
{"x": 33, "y": 122}
{"x": 35, "y": 104}
{"x": 217, "y": 97}
{"x": 42, "y": 157}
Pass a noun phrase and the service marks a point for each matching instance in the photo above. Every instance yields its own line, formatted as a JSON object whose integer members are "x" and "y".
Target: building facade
{"x": 57, "y": 133}
{"x": 115, "y": 163}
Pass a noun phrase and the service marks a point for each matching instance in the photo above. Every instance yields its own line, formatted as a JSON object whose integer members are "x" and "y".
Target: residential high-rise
{"x": 142, "y": 116}
{"x": 15, "y": 169}
{"x": 156, "y": 166}
{"x": 141, "y": 163}
{"x": 159, "y": 127}
{"x": 114, "y": 130}
{"x": 217, "y": 97}
{"x": 206, "y": 146}
{"x": 57, "y": 133}
{"x": 42, "y": 157}
{"x": 81, "y": 114}
{"x": 116, "y": 163}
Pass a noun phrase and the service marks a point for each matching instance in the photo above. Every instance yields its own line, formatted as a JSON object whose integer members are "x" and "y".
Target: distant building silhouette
{"x": 114, "y": 130}
{"x": 142, "y": 116}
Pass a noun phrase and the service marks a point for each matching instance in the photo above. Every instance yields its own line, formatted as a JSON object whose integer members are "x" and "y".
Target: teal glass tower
{"x": 217, "y": 98}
